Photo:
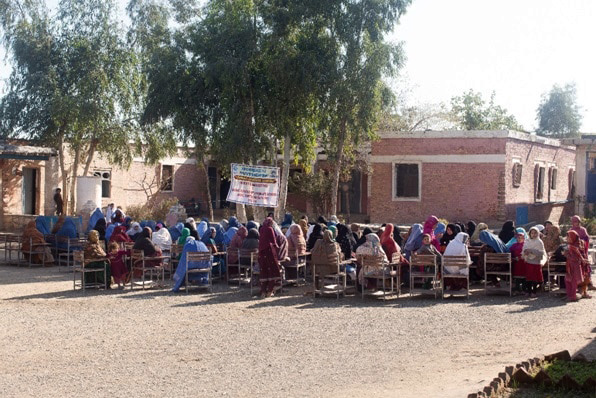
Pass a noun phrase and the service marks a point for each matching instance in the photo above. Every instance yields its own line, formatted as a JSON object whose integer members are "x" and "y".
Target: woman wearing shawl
{"x": 470, "y": 228}
{"x": 287, "y": 222}
{"x": 119, "y": 235}
{"x": 280, "y": 239}
{"x": 414, "y": 240}
{"x": 224, "y": 224}
{"x": 492, "y": 244}
{"x": 296, "y": 242}
{"x": 192, "y": 229}
{"x": 304, "y": 227}
{"x": 67, "y": 229}
{"x": 251, "y": 243}
{"x": 517, "y": 261}
{"x": 439, "y": 232}
{"x": 450, "y": 233}
{"x": 33, "y": 240}
{"x": 233, "y": 223}
{"x": 202, "y": 228}
{"x": 236, "y": 244}
{"x": 100, "y": 227}
{"x": 191, "y": 245}
{"x": 118, "y": 216}
{"x": 162, "y": 239}
{"x": 576, "y": 267}
{"x": 552, "y": 237}
{"x": 270, "y": 275}
{"x": 475, "y": 238}
{"x": 507, "y": 231}
{"x": 388, "y": 243}
{"x": 134, "y": 231}
{"x": 513, "y": 240}
{"x": 145, "y": 244}
{"x": 457, "y": 247}
{"x": 346, "y": 241}
{"x": 208, "y": 239}
{"x": 362, "y": 239}
{"x": 535, "y": 257}
{"x": 325, "y": 255}
{"x": 252, "y": 224}
{"x": 219, "y": 234}
{"x": 372, "y": 247}
{"x": 175, "y": 231}
{"x": 429, "y": 226}
{"x": 333, "y": 230}
{"x": 94, "y": 251}
{"x": 316, "y": 234}
{"x": 41, "y": 223}
{"x": 230, "y": 233}
{"x": 95, "y": 216}
{"x": 582, "y": 233}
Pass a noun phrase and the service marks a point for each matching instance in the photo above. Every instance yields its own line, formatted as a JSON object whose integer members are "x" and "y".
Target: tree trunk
{"x": 337, "y": 170}
{"x": 64, "y": 174}
{"x": 203, "y": 168}
{"x": 258, "y": 213}
{"x": 283, "y": 188}
{"x": 73, "y": 183}
{"x": 241, "y": 212}
{"x": 90, "y": 154}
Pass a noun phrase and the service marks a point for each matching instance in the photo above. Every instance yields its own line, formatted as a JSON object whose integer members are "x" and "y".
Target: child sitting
{"x": 119, "y": 270}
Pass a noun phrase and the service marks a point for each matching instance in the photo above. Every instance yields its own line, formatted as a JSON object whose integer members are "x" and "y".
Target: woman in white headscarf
{"x": 535, "y": 257}
{"x": 134, "y": 231}
{"x": 457, "y": 247}
{"x": 162, "y": 239}
{"x": 372, "y": 247}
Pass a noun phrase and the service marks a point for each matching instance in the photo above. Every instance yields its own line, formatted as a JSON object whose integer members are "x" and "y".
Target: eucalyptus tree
{"x": 559, "y": 114}
{"x": 72, "y": 84}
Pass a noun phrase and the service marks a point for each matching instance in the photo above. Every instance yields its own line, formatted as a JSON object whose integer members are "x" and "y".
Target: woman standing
{"x": 270, "y": 276}
{"x": 575, "y": 264}
{"x": 535, "y": 257}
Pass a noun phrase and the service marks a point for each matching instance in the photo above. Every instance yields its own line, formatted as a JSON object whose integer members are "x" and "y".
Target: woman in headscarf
{"x": 322, "y": 220}
{"x": 33, "y": 241}
{"x": 224, "y": 224}
{"x": 325, "y": 255}
{"x": 208, "y": 239}
{"x": 192, "y": 229}
{"x": 233, "y": 223}
{"x": 450, "y": 233}
{"x": 333, "y": 220}
{"x": 119, "y": 235}
{"x": 304, "y": 227}
{"x": 346, "y": 241}
{"x": 513, "y": 240}
{"x": 535, "y": 257}
{"x": 270, "y": 273}
{"x": 317, "y": 233}
{"x": 282, "y": 242}
{"x": 296, "y": 242}
{"x": 288, "y": 221}
{"x": 429, "y": 226}
{"x": 491, "y": 244}
{"x": 118, "y": 217}
{"x": 507, "y": 231}
{"x": 397, "y": 235}
{"x": 252, "y": 224}
{"x": 95, "y": 216}
{"x": 202, "y": 228}
{"x": 191, "y": 245}
{"x": 388, "y": 243}
{"x": 362, "y": 239}
{"x": 439, "y": 232}
{"x": 100, "y": 227}
{"x": 475, "y": 238}
{"x": 219, "y": 234}
{"x": 67, "y": 229}
{"x": 582, "y": 233}
{"x": 162, "y": 239}
{"x": 134, "y": 231}
{"x": 457, "y": 247}
{"x": 372, "y": 247}
{"x": 576, "y": 265}
{"x": 94, "y": 251}
{"x": 414, "y": 240}
{"x": 552, "y": 237}
{"x": 229, "y": 235}
{"x": 355, "y": 229}
{"x": 518, "y": 263}
{"x": 470, "y": 228}
{"x": 235, "y": 245}
{"x": 41, "y": 223}
{"x": 145, "y": 244}
{"x": 333, "y": 230}
{"x": 117, "y": 259}
{"x": 192, "y": 222}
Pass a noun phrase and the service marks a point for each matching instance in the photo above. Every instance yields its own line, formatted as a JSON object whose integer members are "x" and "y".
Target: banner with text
{"x": 254, "y": 185}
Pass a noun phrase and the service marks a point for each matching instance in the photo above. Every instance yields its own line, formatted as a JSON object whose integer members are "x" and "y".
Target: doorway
{"x": 29, "y": 191}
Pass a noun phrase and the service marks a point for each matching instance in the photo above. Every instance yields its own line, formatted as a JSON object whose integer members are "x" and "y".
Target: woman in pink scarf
{"x": 236, "y": 244}
{"x": 429, "y": 227}
{"x": 270, "y": 275}
{"x": 296, "y": 242}
{"x": 584, "y": 245}
{"x": 576, "y": 267}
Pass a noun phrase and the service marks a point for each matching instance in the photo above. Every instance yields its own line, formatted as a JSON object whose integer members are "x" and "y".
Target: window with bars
{"x": 517, "y": 174}
{"x": 407, "y": 181}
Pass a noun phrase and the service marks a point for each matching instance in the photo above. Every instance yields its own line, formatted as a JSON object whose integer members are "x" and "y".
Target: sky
{"x": 517, "y": 48}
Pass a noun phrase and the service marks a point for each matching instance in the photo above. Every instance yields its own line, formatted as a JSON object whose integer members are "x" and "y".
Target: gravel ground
{"x": 155, "y": 343}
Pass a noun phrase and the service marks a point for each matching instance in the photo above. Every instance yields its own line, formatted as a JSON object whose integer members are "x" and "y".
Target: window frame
{"x": 539, "y": 188}
{"x": 517, "y": 164}
{"x": 101, "y": 171}
{"x": 161, "y": 178}
{"x": 394, "y": 196}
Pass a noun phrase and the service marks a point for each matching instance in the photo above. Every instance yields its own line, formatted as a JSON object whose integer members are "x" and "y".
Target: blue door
{"x": 521, "y": 215}
{"x": 591, "y": 188}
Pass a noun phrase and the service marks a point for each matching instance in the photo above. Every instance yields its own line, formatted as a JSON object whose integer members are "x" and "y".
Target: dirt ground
{"x": 154, "y": 343}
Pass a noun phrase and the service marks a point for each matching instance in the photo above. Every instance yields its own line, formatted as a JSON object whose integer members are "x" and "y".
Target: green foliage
{"x": 580, "y": 371}
{"x": 152, "y": 210}
{"x": 316, "y": 187}
{"x": 558, "y": 114}
{"x": 470, "y": 112}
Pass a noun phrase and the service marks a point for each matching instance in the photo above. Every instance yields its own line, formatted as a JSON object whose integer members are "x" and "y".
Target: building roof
{"x": 516, "y": 135}
{"x": 584, "y": 139}
{"x": 26, "y": 152}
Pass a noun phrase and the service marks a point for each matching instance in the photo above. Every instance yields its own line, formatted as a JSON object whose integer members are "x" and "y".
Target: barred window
{"x": 517, "y": 174}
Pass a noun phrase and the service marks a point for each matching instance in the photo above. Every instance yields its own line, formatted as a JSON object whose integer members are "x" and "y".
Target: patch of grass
{"x": 580, "y": 371}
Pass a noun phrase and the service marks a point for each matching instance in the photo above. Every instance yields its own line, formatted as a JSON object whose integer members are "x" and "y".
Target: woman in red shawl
{"x": 576, "y": 267}
{"x": 280, "y": 238}
{"x": 584, "y": 244}
{"x": 429, "y": 228}
{"x": 518, "y": 262}
{"x": 31, "y": 236}
{"x": 388, "y": 243}
{"x": 119, "y": 235}
{"x": 269, "y": 262}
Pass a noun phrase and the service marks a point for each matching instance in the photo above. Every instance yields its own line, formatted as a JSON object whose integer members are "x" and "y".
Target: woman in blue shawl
{"x": 229, "y": 235}
{"x": 288, "y": 221}
{"x": 202, "y": 228}
{"x": 176, "y": 231}
{"x": 191, "y": 245}
{"x": 219, "y": 234}
{"x": 110, "y": 231}
{"x": 42, "y": 225}
{"x": 68, "y": 230}
{"x": 209, "y": 239}
{"x": 233, "y": 223}
{"x": 94, "y": 218}
{"x": 513, "y": 241}
{"x": 253, "y": 224}
{"x": 492, "y": 244}
{"x": 414, "y": 241}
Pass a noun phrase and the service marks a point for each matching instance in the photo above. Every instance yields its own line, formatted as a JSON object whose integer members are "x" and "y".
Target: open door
{"x": 29, "y": 191}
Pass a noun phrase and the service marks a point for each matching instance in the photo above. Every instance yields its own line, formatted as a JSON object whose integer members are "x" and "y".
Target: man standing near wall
{"x": 59, "y": 202}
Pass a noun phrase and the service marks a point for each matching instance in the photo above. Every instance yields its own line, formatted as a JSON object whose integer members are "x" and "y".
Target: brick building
{"x": 585, "y": 176}
{"x": 486, "y": 176}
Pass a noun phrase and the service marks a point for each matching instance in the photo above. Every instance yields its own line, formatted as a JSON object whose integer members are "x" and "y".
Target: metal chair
{"x": 13, "y": 243}
{"x": 65, "y": 247}
{"x": 80, "y": 267}
{"x": 295, "y": 264}
{"x": 502, "y": 263}
{"x": 553, "y": 271}
{"x": 330, "y": 284}
{"x": 424, "y": 266}
{"x": 206, "y": 267}
{"x": 34, "y": 249}
{"x": 138, "y": 263}
{"x": 461, "y": 263}
{"x": 376, "y": 267}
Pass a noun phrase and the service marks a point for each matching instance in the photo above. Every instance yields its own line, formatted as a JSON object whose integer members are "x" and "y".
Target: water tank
{"x": 88, "y": 189}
